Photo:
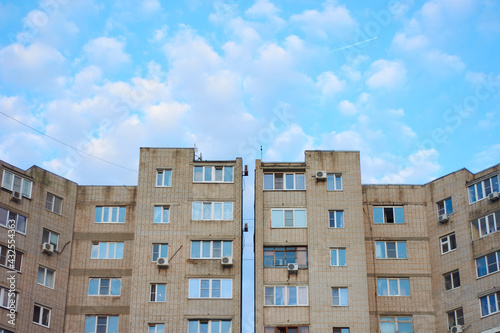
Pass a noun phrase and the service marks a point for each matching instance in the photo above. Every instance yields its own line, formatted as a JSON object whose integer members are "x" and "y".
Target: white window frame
{"x": 335, "y": 252}
{"x": 193, "y": 291}
{"x": 446, "y": 240}
{"x": 45, "y": 273}
{"x": 110, "y": 284}
{"x": 160, "y": 245}
{"x": 396, "y": 320}
{"x": 94, "y": 329}
{"x": 204, "y": 205}
{"x": 480, "y": 188}
{"x": 387, "y": 283}
{"x": 211, "y": 242}
{"x": 294, "y": 218}
{"x": 442, "y": 207}
{"x": 209, "y": 325}
{"x": 8, "y": 212}
{"x": 286, "y": 183}
{"x": 50, "y": 205}
{"x": 286, "y": 292}
{"x": 25, "y": 192}
{"x": 385, "y": 217}
{"x": 334, "y": 177}
{"x": 455, "y": 317}
{"x": 40, "y": 318}
{"x": 98, "y": 245}
{"x": 336, "y": 213}
{"x": 490, "y": 222}
{"x": 7, "y": 298}
{"x": 451, "y": 276}
{"x": 110, "y": 211}
{"x": 396, "y": 244}
{"x": 49, "y": 239}
{"x": 164, "y": 181}
{"x": 211, "y": 169}
{"x": 154, "y": 328}
{"x": 497, "y": 260}
{"x": 343, "y": 296}
{"x": 161, "y": 209}
{"x": 154, "y": 294}
{"x": 493, "y": 298}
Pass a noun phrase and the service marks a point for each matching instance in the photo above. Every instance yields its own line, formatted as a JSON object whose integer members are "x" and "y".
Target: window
{"x": 41, "y": 315}
{"x": 396, "y": 324}
{"x": 212, "y": 210}
{"x": 213, "y": 174}
{"x": 334, "y": 182}
{"x": 107, "y": 250}
{"x": 287, "y": 329}
{"x": 336, "y": 218}
{"x": 288, "y": 218}
{"x": 340, "y": 297}
{"x": 160, "y": 251}
{"x": 162, "y": 214}
{"x": 337, "y": 257}
{"x": 156, "y": 328}
{"x": 6, "y": 216}
{"x": 9, "y": 259}
{"x": 15, "y": 183}
{"x": 53, "y": 203}
{"x": 157, "y": 293}
{"x": 280, "y": 256}
{"x": 390, "y": 250}
{"x": 163, "y": 178}
{"x": 388, "y": 215}
{"x": 393, "y": 287}
{"x": 104, "y": 287}
{"x": 286, "y": 295}
{"x": 485, "y": 225}
{"x": 7, "y": 299}
{"x": 455, "y": 317}
{"x": 284, "y": 181}
{"x": 101, "y": 324}
{"x": 490, "y": 304}
{"x": 210, "y": 288}
{"x": 482, "y": 189}
{"x": 2, "y": 330}
{"x": 209, "y": 326}
{"x": 50, "y": 237}
{"x": 487, "y": 264}
{"x": 110, "y": 214}
{"x": 448, "y": 243}
{"x": 46, "y": 276}
{"x": 211, "y": 249}
{"x": 340, "y": 330}
{"x": 445, "y": 207}
{"x": 451, "y": 280}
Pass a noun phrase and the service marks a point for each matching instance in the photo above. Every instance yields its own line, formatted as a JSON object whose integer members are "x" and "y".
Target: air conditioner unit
{"x": 443, "y": 218}
{"x": 457, "y": 329}
{"x": 226, "y": 261}
{"x": 162, "y": 263}
{"x": 48, "y": 248}
{"x": 16, "y": 196}
{"x": 493, "y": 196}
{"x": 293, "y": 268}
{"x": 320, "y": 174}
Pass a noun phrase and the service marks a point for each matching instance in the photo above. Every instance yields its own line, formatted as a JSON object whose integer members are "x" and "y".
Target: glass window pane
{"x": 21, "y": 224}
{"x": 278, "y": 181}
{"x": 41, "y": 275}
{"x": 300, "y": 218}
{"x": 218, "y": 174}
{"x": 111, "y": 250}
{"x": 289, "y": 181}
{"x": 292, "y": 295}
{"x": 114, "y": 214}
{"x": 342, "y": 259}
{"x": 215, "y": 326}
{"x": 119, "y": 250}
{"x": 160, "y": 293}
{"x": 279, "y": 295}
{"x": 343, "y": 297}
{"x": 157, "y": 214}
{"x": 50, "y": 278}
{"x": 103, "y": 248}
{"x": 166, "y": 214}
{"x": 399, "y": 215}
{"x": 382, "y": 287}
{"x": 330, "y": 179}
{"x": 167, "y": 178}
{"x": 472, "y": 194}
{"x": 196, "y": 210}
{"x": 380, "y": 250}
{"x": 288, "y": 218}
{"x": 494, "y": 182}
{"x": 227, "y": 249}
{"x": 27, "y": 188}
{"x": 7, "y": 180}
{"x": 391, "y": 249}
{"x": 268, "y": 181}
{"x": 227, "y": 288}
{"x": 479, "y": 187}
{"x": 159, "y": 178}
{"x": 116, "y": 285}
{"x": 449, "y": 206}
{"x": 387, "y": 328}
{"x": 98, "y": 214}
{"x": 338, "y": 183}
{"x": 302, "y": 295}
{"x": 378, "y": 214}
{"x": 228, "y": 210}
{"x": 95, "y": 251}
{"x": 193, "y": 326}
{"x": 404, "y": 285}
{"x": 228, "y": 174}
{"x": 206, "y": 251}
{"x": 90, "y": 322}
{"x": 302, "y": 258}
{"x": 113, "y": 324}
{"x": 393, "y": 287}
{"x": 401, "y": 250}
{"x": 217, "y": 210}
{"x": 405, "y": 328}
{"x": 207, "y": 211}
{"x": 121, "y": 215}
{"x": 195, "y": 249}
{"x": 300, "y": 183}
{"x": 105, "y": 217}
{"x": 340, "y": 219}
{"x": 269, "y": 295}
{"x": 225, "y": 326}
{"x": 198, "y": 174}
{"x": 208, "y": 174}
{"x": 216, "y": 249}
{"x": 277, "y": 218}
{"x": 194, "y": 288}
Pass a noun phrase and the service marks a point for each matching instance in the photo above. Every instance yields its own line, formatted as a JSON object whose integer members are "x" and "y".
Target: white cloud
{"x": 159, "y": 34}
{"x": 289, "y": 145}
{"x": 106, "y": 52}
{"x": 409, "y": 44}
{"x": 348, "y": 140}
{"x": 151, "y": 5}
{"x": 329, "y": 84}
{"x": 386, "y": 74}
{"x": 262, "y": 8}
{"x": 441, "y": 61}
{"x": 486, "y": 158}
{"x": 85, "y": 80}
{"x": 347, "y": 108}
{"x": 397, "y": 112}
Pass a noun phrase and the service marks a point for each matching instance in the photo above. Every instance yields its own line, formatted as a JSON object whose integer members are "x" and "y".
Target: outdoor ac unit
{"x": 443, "y": 218}
{"x": 293, "y": 268}
{"x": 493, "y": 196}
{"x": 48, "y": 248}
{"x": 457, "y": 329}
{"x": 226, "y": 261}
{"x": 320, "y": 174}
{"x": 16, "y": 196}
{"x": 162, "y": 262}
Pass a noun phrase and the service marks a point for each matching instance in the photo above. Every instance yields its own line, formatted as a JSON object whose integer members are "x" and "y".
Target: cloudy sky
{"x": 413, "y": 85}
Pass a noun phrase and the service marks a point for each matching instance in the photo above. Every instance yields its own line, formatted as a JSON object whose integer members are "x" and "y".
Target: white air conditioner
{"x": 320, "y": 174}
{"x": 293, "y": 268}
{"x": 48, "y": 248}
{"x": 16, "y": 196}
{"x": 457, "y": 329}
{"x": 493, "y": 196}
{"x": 162, "y": 262}
{"x": 443, "y": 218}
{"x": 226, "y": 261}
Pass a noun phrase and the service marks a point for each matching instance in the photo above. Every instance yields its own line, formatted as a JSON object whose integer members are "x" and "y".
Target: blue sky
{"x": 413, "y": 85}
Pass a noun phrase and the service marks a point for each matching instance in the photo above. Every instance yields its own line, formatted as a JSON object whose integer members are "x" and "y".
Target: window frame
{"x": 396, "y": 320}
{"x": 294, "y": 218}
{"x": 46, "y": 269}
{"x": 456, "y": 318}
{"x": 386, "y": 250}
{"x": 454, "y": 278}
{"x": 23, "y": 181}
{"x": 333, "y": 178}
{"x": 110, "y": 214}
{"x": 285, "y": 250}
{"x": 8, "y": 218}
{"x": 161, "y": 209}
{"x": 343, "y": 295}
{"x": 474, "y": 197}
{"x": 160, "y": 251}
{"x": 98, "y": 246}
{"x": 487, "y": 264}
{"x": 385, "y": 217}
{"x": 96, "y": 322}
{"x": 446, "y": 239}
{"x": 338, "y": 256}
{"x": 489, "y": 303}
{"x": 298, "y": 177}
{"x": 335, "y": 219}
{"x": 154, "y": 326}
{"x": 444, "y": 209}
{"x": 52, "y": 203}
{"x": 388, "y": 287}
{"x": 4, "y": 253}
{"x": 212, "y": 210}
{"x": 213, "y": 174}
{"x": 155, "y": 294}
{"x": 163, "y": 182}
{"x": 211, "y": 250}
{"x": 285, "y": 296}
{"x": 210, "y": 288}
{"x": 299, "y": 329}
{"x": 5, "y": 297}
{"x": 49, "y": 237}
{"x": 210, "y": 325}
{"x": 110, "y": 287}
{"x": 40, "y": 316}
{"x": 340, "y": 329}
{"x": 477, "y": 225}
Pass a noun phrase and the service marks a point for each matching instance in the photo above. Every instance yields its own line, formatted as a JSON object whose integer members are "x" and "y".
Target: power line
{"x": 63, "y": 143}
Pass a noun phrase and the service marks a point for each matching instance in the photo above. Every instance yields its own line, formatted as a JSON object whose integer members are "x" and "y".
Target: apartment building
{"x": 332, "y": 255}
{"x": 37, "y": 212}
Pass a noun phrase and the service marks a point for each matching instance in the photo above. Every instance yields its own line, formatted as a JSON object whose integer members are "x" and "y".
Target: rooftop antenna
{"x": 261, "y": 152}
{"x": 196, "y": 158}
